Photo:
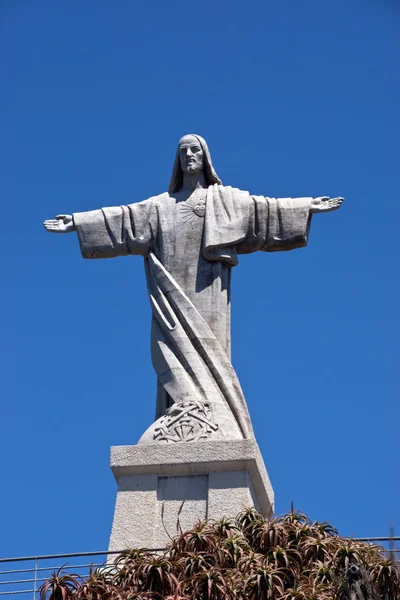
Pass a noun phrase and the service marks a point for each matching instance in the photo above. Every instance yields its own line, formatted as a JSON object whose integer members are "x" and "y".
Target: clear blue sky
{"x": 294, "y": 99}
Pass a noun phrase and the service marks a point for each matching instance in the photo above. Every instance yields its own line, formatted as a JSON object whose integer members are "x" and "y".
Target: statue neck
{"x": 193, "y": 181}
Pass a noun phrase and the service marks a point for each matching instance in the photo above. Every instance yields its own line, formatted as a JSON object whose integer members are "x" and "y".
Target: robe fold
{"x": 188, "y": 255}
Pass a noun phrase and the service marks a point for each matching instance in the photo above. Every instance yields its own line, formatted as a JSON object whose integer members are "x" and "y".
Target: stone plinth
{"x": 162, "y": 487}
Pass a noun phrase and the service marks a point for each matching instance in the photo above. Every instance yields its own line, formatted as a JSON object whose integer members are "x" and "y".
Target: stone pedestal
{"x": 163, "y": 487}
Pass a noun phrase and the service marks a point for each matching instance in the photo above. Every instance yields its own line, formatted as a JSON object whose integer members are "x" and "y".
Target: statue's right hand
{"x": 60, "y": 224}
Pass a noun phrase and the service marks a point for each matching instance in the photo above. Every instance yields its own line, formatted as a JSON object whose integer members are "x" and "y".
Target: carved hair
{"x": 208, "y": 169}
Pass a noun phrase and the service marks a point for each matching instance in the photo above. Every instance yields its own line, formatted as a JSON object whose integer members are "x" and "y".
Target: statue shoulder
{"x": 159, "y": 198}
{"x": 237, "y": 194}
{"x": 147, "y": 204}
{"x": 230, "y": 188}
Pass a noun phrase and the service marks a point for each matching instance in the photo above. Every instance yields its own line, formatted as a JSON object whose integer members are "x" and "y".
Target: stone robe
{"x": 189, "y": 249}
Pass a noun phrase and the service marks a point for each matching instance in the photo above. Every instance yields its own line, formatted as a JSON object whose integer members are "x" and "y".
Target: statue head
{"x": 192, "y": 156}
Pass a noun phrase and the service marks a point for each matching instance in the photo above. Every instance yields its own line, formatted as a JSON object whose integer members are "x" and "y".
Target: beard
{"x": 192, "y": 168}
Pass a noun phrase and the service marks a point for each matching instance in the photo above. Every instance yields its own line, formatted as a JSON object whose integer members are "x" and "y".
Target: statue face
{"x": 190, "y": 154}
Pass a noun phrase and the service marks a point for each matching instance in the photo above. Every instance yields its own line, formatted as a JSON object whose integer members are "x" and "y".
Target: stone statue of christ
{"x": 190, "y": 238}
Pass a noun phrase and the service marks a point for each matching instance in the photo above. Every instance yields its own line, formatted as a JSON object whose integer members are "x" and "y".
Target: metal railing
{"x": 29, "y": 572}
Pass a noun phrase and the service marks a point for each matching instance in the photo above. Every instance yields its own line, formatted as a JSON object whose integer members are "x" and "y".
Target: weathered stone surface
{"x": 159, "y": 489}
{"x": 190, "y": 238}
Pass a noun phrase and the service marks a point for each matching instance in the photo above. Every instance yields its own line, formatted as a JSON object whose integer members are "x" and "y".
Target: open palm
{"x": 325, "y": 204}
{"x": 60, "y": 224}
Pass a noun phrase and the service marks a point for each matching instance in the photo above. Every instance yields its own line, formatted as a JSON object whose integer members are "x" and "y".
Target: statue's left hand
{"x": 61, "y": 224}
{"x": 325, "y": 204}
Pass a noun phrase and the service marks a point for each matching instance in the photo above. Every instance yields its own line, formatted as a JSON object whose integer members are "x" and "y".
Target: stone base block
{"x": 163, "y": 488}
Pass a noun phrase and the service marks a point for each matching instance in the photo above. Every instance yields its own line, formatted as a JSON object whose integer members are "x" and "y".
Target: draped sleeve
{"x": 238, "y": 223}
{"x": 276, "y": 224}
{"x": 116, "y": 231}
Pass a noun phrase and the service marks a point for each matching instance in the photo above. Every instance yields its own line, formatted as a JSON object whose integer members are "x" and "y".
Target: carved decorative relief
{"x": 189, "y": 421}
{"x": 193, "y": 209}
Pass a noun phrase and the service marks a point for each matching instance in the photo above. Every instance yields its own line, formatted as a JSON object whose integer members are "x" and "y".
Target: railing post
{"x": 35, "y": 578}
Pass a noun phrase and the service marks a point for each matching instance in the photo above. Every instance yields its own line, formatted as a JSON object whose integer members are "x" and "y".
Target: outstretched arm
{"x": 277, "y": 224}
{"x": 109, "y": 232}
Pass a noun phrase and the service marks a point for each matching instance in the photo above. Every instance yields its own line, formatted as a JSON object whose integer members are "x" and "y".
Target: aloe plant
{"x": 289, "y": 557}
